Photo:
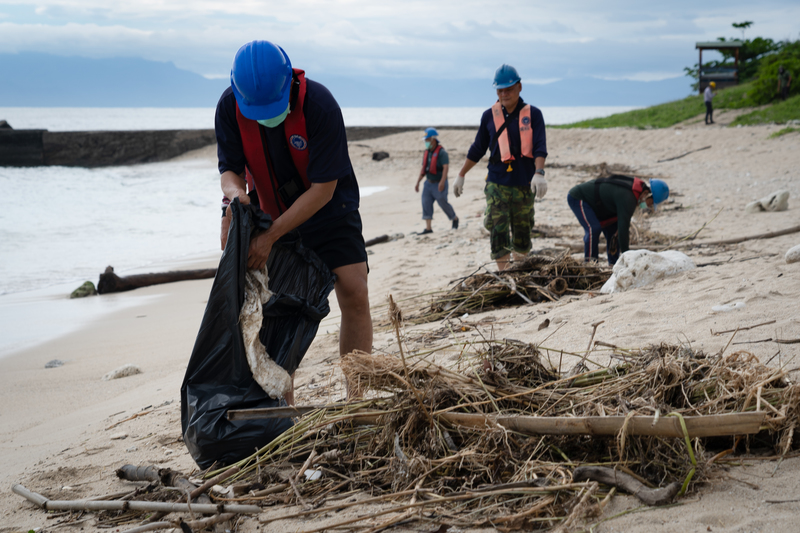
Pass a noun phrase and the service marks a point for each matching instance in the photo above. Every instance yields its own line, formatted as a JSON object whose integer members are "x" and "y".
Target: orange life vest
{"x": 274, "y": 197}
{"x": 434, "y": 159}
{"x": 525, "y": 132}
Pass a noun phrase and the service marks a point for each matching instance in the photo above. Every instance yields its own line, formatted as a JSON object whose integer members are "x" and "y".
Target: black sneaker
{"x": 425, "y": 231}
{"x": 455, "y": 223}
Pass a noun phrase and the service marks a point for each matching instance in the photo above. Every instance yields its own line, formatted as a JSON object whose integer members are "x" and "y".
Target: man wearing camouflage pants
{"x": 514, "y": 134}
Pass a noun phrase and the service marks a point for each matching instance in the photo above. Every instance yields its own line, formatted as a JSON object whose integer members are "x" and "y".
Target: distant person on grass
{"x": 513, "y": 133}
{"x": 707, "y": 97}
{"x": 435, "y": 163}
{"x": 284, "y": 136}
{"x": 784, "y": 82}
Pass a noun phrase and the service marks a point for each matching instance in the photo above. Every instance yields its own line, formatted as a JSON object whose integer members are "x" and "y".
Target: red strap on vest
{"x": 525, "y": 132}
{"x": 296, "y": 134}
{"x": 434, "y": 159}
{"x": 258, "y": 167}
{"x": 638, "y": 187}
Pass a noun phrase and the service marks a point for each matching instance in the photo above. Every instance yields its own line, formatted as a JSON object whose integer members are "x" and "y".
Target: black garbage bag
{"x": 218, "y": 377}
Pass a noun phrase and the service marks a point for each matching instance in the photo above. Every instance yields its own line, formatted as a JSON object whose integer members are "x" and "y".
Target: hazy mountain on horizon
{"x": 34, "y": 79}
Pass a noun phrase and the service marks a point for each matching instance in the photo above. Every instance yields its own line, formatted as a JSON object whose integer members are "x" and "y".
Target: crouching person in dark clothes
{"x": 607, "y": 205}
{"x": 284, "y": 135}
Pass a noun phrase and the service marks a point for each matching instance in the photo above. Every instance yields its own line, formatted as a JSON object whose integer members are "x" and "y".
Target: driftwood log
{"x": 628, "y": 483}
{"x": 110, "y": 282}
{"x": 171, "y": 478}
{"x": 377, "y": 240}
{"x": 769, "y": 235}
{"x": 665, "y": 426}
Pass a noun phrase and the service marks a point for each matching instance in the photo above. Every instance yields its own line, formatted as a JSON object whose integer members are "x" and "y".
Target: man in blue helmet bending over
{"x": 513, "y": 133}
{"x": 606, "y": 205}
{"x": 283, "y": 136}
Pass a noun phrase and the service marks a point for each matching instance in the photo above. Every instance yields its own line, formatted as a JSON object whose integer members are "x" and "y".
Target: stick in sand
{"x": 576, "y": 368}
{"x": 86, "y": 505}
{"x": 768, "y": 235}
{"x": 683, "y": 154}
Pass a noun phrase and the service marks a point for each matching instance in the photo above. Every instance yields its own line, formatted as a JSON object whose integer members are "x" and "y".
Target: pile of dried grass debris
{"x": 506, "y": 440}
{"x": 538, "y": 278}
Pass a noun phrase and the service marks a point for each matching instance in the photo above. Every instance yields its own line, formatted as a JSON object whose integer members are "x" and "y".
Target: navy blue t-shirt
{"x": 327, "y": 149}
{"x": 522, "y": 168}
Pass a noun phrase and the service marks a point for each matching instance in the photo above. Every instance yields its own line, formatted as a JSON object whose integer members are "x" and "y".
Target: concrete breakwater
{"x": 30, "y": 148}
{"x": 27, "y": 148}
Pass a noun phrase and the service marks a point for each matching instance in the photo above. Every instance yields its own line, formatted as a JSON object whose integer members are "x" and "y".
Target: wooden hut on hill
{"x": 722, "y": 76}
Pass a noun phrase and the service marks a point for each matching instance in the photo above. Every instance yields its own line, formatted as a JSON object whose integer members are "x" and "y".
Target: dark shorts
{"x": 338, "y": 242}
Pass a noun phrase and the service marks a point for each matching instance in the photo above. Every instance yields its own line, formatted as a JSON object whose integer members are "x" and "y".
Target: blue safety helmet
{"x": 660, "y": 190}
{"x": 505, "y": 76}
{"x": 261, "y": 79}
{"x": 430, "y": 132}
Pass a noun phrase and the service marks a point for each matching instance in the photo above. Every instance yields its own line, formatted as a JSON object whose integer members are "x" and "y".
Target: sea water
{"x": 120, "y": 118}
{"x": 60, "y": 226}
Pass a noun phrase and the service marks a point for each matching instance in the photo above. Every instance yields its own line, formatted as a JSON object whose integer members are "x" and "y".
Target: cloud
{"x": 619, "y": 39}
{"x": 642, "y": 76}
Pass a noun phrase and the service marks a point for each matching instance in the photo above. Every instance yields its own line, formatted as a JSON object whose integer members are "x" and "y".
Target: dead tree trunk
{"x": 110, "y": 282}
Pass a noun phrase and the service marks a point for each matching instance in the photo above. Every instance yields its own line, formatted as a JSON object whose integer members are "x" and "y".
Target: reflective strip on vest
{"x": 434, "y": 159}
{"x": 258, "y": 166}
{"x": 525, "y": 132}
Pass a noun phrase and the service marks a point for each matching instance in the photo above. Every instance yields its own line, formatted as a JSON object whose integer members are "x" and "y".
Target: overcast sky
{"x": 546, "y": 41}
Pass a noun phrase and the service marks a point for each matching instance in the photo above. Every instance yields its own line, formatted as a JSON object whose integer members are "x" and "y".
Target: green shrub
{"x": 765, "y": 86}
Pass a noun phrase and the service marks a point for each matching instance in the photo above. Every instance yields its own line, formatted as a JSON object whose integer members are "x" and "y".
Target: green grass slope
{"x": 779, "y": 113}
{"x": 671, "y": 113}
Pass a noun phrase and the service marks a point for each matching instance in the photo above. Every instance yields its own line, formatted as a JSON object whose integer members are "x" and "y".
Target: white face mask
{"x": 276, "y": 121}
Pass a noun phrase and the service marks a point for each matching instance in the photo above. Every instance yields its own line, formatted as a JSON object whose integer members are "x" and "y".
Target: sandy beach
{"x": 64, "y": 431}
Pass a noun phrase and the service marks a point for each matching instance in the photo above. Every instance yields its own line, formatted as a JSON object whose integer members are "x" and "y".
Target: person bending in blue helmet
{"x": 283, "y": 136}
{"x": 435, "y": 164}
{"x": 513, "y": 133}
{"x": 606, "y": 205}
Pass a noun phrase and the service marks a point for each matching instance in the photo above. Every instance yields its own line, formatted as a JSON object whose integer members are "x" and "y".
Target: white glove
{"x": 539, "y": 185}
{"x": 458, "y": 188}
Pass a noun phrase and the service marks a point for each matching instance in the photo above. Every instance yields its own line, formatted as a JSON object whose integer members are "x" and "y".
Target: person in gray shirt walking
{"x": 707, "y": 97}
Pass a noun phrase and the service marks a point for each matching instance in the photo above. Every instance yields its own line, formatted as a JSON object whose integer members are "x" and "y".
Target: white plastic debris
{"x": 637, "y": 268}
{"x": 777, "y": 201}
{"x": 268, "y": 374}
{"x": 123, "y": 372}
{"x": 793, "y": 254}
{"x": 219, "y": 490}
{"x": 312, "y": 475}
{"x": 727, "y": 307}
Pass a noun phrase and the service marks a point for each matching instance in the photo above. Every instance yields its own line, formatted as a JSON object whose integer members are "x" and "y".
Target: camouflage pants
{"x": 508, "y": 209}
